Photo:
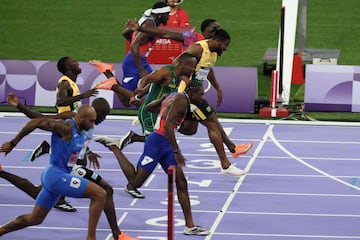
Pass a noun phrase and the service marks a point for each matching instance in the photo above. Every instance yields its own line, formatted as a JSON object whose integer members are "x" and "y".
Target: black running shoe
{"x": 127, "y": 139}
{"x": 42, "y": 149}
{"x": 134, "y": 193}
{"x": 66, "y": 207}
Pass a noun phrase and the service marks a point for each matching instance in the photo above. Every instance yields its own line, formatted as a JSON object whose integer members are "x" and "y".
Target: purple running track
{"x": 302, "y": 183}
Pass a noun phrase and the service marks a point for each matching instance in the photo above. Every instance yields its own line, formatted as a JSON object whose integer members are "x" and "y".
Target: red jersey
{"x": 179, "y": 19}
{"x": 161, "y": 119}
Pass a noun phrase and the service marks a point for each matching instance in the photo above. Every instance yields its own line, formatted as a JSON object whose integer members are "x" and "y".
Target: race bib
{"x": 73, "y": 159}
{"x": 202, "y": 74}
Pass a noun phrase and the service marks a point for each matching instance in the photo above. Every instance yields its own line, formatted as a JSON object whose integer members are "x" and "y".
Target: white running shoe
{"x": 233, "y": 171}
{"x": 197, "y": 230}
{"x": 107, "y": 141}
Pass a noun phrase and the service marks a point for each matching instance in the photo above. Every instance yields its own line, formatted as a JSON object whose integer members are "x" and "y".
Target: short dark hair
{"x": 206, "y": 23}
{"x": 193, "y": 84}
{"x": 185, "y": 56}
{"x": 61, "y": 64}
{"x": 221, "y": 35}
{"x": 100, "y": 104}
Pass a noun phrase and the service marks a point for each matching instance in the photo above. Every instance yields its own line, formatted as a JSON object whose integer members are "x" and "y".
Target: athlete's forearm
{"x": 162, "y": 33}
{"x": 27, "y": 129}
{"x": 28, "y": 112}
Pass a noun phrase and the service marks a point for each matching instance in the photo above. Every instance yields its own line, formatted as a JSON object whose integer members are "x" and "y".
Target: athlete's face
{"x": 74, "y": 66}
{"x": 188, "y": 67}
{"x": 162, "y": 18}
{"x": 222, "y": 46}
{"x": 196, "y": 95}
{"x": 88, "y": 121}
{"x": 100, "y": 116}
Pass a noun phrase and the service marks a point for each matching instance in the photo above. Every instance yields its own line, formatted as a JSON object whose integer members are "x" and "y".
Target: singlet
{"x": 161, "y": 119}
{"x": 75, "y": 91}
{"x": 146, "y": 48}
{"x": 206, "y": 62}
{"x": 157, "y": 90}
{"x": 65, "y": 154}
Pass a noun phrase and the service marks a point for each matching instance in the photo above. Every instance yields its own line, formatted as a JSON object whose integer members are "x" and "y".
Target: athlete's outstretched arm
{"x": 14, "y": 101}
{"x": 157, "y": 32}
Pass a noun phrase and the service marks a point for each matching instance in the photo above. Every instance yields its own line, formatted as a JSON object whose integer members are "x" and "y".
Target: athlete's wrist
{"x": 12, "y": 143}
{"x": 88, "y": 150}
{"x": 137, "y": 97}
{"x": 177, "y": 151}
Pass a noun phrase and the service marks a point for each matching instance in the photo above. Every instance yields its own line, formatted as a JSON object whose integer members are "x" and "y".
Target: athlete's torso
{"x": 146, "y": 48}
{"x": 160, "y": 122}
{"x": 206, "y": 62}
{"x": 65, "y": 154}
{"x": 74, "y": 92}
{"x": 157, "y": 90}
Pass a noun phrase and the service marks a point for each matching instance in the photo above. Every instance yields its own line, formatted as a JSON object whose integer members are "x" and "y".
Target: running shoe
{"x": 127, "y": 139}
{"x": 233, "y": 171}
{"x": 40, "y": 150}
{"x": 197, "y": 230}
{"x": 107, "y": 141}
{"x": 66, "y": 207}
{"x": 101, "y": 66}
{"x": 123, "y": 236}
{"x": 134, "y": 193}
{"x": 242, "y": 149}
{"x": 106, "y": 84}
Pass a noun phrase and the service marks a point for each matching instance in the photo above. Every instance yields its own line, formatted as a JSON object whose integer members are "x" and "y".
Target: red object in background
{"x": 165, "y": 50}
{"x": 298, "y": 70}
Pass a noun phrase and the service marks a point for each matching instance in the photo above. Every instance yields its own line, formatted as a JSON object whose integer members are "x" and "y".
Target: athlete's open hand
{"x": 6, "y": 147}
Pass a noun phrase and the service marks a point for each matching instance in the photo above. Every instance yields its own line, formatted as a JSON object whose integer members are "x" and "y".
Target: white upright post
{"x": 291, "y": 12}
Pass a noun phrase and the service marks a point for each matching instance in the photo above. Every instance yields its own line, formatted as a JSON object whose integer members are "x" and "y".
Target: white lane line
{"x": 238, "y": 184}
{"x": 282, "y": 148}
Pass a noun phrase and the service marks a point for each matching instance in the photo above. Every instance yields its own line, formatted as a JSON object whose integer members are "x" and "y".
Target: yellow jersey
{"x": 75, "y": 91}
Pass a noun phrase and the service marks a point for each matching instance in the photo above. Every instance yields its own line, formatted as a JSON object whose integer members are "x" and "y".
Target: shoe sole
{"x": 245, "y": 152}
{"x": 43, "y": 148}
{"x": 122, "y": 142}
{"x": 134, "y": 194}
{"x": 65, "y": 209}
{"x": 100, "y": 65}
{"x": 234, "y": 175}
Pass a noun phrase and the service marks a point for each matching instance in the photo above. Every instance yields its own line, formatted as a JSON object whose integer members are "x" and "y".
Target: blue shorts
{"x": 55, "y": 183}
{"x": 131, "y": 74}
{"x": 157, "y": 149}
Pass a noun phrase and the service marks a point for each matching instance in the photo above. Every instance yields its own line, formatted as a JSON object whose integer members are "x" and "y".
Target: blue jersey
{"x": 65, "y": 154}
{"x": 56, "y": 178}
